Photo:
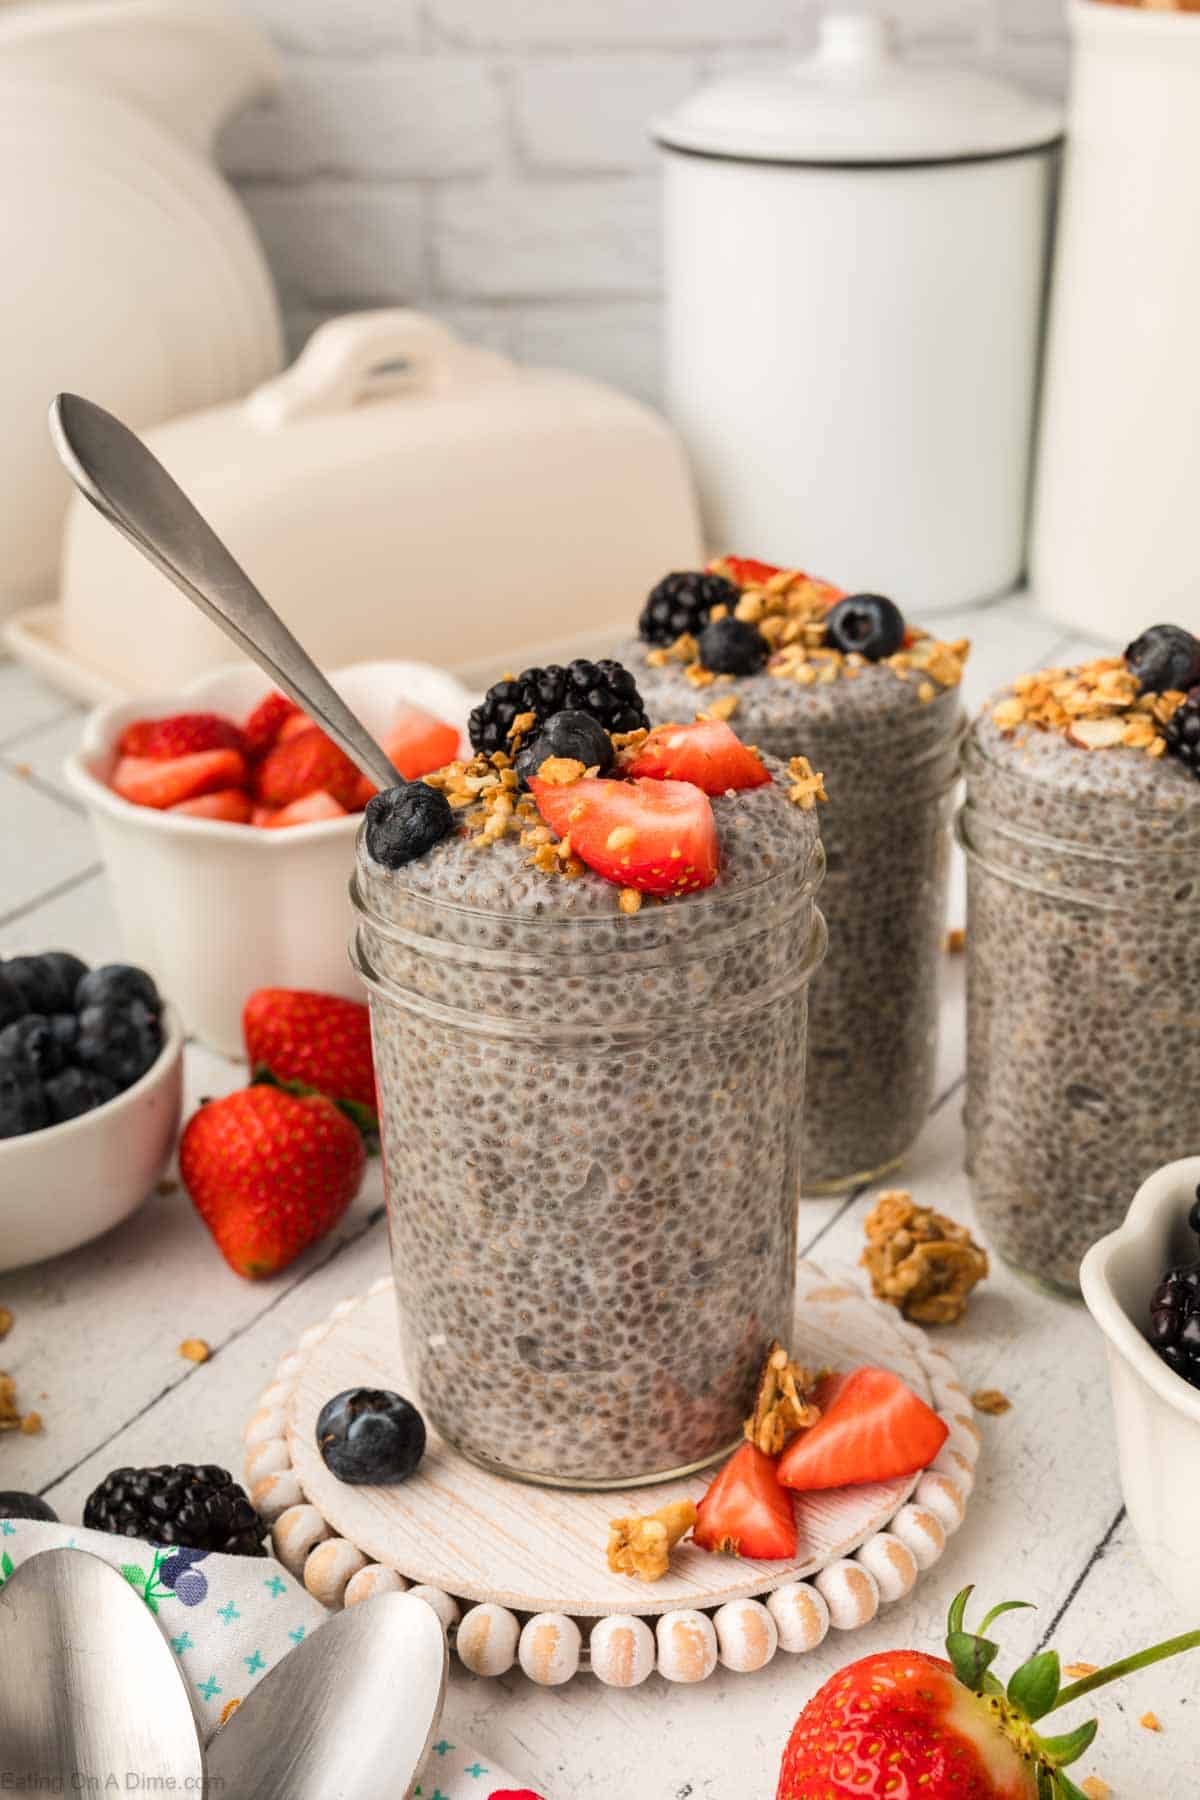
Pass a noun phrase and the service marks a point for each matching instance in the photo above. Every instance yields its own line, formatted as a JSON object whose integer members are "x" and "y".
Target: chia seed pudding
{"x": 1083, "y": 1045}
{"x": 591, "y": 1140}
{"x": 886, "y": 736}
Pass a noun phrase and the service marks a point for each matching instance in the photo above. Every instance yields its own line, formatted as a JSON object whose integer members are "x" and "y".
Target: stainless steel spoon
{"x": 130, "y": 488}
{"x": 91, "y": 1699}
{"x": 348, "y": 1715}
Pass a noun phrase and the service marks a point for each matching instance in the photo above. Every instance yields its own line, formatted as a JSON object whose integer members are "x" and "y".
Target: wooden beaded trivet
{"x": 518, "y": 1573}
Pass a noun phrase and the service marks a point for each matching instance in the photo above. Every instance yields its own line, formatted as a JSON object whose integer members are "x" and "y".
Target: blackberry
{"x": 1182, "y": 733}
{"x": 196, "y": 1508}
{"x": 682, "y": 602}
{"x": 732, "y": 647}
{"x": 1165, "y": 656}
{"x": 1175, "y": 1313}
{"x": 604, "y": 689}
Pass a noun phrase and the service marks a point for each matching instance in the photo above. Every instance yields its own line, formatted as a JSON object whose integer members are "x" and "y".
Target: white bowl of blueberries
{"x": 1141, "y": 1284}
{"x": 91, "y": 1089}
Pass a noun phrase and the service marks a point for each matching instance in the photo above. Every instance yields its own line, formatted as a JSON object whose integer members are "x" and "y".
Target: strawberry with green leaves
{"x": 312, "y": 1043}
{"x": 903, "y": 1725}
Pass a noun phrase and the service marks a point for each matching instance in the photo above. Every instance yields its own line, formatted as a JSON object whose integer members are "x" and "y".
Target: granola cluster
{"x": 485, "y": 793}
{"x": 11, "y": 1416}
{"x": 1097, "y": 706}
{"x": 642, "y": 1547}
{"x": 781, "y": 1405}
{"x": 789, "y": 609}
{"x": 919, "y": 1260}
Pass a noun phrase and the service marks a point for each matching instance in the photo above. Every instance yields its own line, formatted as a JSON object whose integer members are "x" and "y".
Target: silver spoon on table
{"x": 91, "y": 1698}
{"x": 129, "y": 487}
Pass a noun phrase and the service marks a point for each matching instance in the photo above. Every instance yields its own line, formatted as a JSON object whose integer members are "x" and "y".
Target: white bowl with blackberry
{"x": 1141, "y": 1284}
{"x": 91, "y": 1089}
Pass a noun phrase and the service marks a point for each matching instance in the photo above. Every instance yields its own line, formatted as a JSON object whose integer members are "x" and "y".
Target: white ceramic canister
{"x": 855, "y": 252}
{"x": 1114, "y": 535}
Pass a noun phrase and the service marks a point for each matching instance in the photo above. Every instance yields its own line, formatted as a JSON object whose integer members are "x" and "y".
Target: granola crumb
{"x": 561, "y": 771}
{"x": 629, "y": 900}
{"x": 808, "y": 786}
{"x": 1150, "y": 1721}
{"x": 6, "y": 1321}
{"x": 919, "y": 1260}
{"x": 165, "y": 1187}
{"x": 1077, "y": 1670}
{"x": 195, "y": 1350}
{"x": 642, "y": 1547}
{"x": 723, "y": 707}
{"x": 956, "y": 940}
{"x": 995, "y": 1404}
{"x": 31, "y": 1424}
{"x": 781, "y": 1406}
{"x": 1096, "y": 1789}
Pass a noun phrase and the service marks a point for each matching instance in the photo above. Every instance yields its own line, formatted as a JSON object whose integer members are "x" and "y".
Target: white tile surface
{"x": 95, "y": 1348}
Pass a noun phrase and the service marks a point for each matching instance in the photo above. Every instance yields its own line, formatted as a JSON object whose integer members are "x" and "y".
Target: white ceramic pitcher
{"x": 131, "y": 272}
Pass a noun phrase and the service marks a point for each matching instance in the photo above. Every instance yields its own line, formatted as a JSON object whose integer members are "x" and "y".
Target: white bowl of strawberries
{"x": 227, "y": 821}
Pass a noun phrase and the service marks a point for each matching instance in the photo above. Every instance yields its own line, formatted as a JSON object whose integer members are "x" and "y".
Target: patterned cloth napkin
{"x": 228, "y": 1619}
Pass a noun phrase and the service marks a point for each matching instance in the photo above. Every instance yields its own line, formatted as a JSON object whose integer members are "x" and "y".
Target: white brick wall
{"x": 489, "y": 159}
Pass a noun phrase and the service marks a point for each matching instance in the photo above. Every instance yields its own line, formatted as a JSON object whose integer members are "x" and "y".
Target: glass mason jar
{"x": 873, "y": 1010}
{"x": 591, "y": 1132}
{"x": 1083, "y": 988}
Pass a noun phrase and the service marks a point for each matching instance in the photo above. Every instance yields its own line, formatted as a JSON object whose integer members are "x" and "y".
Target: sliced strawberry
{"x": 266, "y": 721}
{"x": 295, "y": 723}
{"x": 366, "y": 791}
{"x": 871, "y": 1428}
{"x": 183, "y": 734}
{"x": 307, "y": 811}
{"x": 708, "y": 754}
{"x": 659, "y": 836}
{"x": 419, "y": 742}
{"x": 745, "y": 571}
{"x": 746, "y": 1512}
{"x": 229, "y": 804}
{"x": 304, "y": 764}
{"x": 147, "y": 782}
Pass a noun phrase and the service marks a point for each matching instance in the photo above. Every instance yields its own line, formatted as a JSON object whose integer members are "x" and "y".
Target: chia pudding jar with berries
{"x": 1081, "y": 828}
{"x": 588, "y": 991}
{"x": 798, "y": 667}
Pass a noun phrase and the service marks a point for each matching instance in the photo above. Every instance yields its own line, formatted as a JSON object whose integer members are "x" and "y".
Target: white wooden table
{"x": 95, "y": 1349}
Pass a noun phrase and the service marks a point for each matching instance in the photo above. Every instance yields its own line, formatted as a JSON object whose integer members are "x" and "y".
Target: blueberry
{"x": 119, "y": 1041}
{"x": 65, "y": 1028}
{"x": 74, "y": 1092}
{"x": 572, "y": 734}
{"x": 1165, "y": 656}
{"x": 368, "y": 1436}
{"x": 23, "y": 1104}
{"x": 30, "y": 1044}
{"x": 47, "y": 983}
{"x": 117, "y": 984}
{"x": 404, "y": 822}
{"x": 26, "y": 1506}
{"x": 870, "y": 624}
{"x": 732, "y": 646}
{"x": 12, "y": 1006}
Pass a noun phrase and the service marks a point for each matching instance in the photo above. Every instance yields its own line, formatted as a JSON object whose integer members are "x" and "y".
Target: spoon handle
{"x": 130, "y": 488}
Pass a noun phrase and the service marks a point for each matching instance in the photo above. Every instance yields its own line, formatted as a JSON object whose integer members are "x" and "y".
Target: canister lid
{"x": 857, "y": 102}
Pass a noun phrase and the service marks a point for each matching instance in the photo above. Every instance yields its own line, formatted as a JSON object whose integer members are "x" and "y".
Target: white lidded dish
{"x": 216, "y": 910}
{"x": 855, "y": 252}
{"x": 1157, "y": 1414}
{"x": 396, "y": 493}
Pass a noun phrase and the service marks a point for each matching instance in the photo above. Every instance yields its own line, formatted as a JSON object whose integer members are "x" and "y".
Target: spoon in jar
{"x": 129, "y": 487}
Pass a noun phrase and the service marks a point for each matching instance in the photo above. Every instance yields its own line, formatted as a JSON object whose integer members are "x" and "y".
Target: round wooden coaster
{"x": 457, "y": 1530}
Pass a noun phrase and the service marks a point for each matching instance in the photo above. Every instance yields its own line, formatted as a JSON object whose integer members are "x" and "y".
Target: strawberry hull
{"x": 596, "y": 1110}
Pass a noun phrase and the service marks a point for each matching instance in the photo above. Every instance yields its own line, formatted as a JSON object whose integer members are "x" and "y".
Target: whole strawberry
{"x": 903, "y": 1724}
{"x": 315, "y": 1041}
{"x": 269, "y": 1173}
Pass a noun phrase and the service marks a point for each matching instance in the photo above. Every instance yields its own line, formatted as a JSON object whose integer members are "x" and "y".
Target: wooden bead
{"x": 800, "y": 1614}
{"x": 851, "y": 1594}
{"x": 942, "y": 1497}
{"x": 288, "y": 1367}
{"x": 275, "y": 1493}
{"x": 267, "y": 1459}
{"x": 917, "y": 1527}
{"x": 383, "y": 1286}
{"x": 687, "y": 1645}
{"x": 277, "y": 1395}
{"x": 487, "y": 1639}
{"x": 953, "y": 1463}
{"x": 372, "y": 1580}
{"x": 949, "y": 1393}
{"x": 892, "y": 1564}
{"x": 296, "y": 1532}
{"x": 329, "y": 1569}
{"x": 268, "y": 1422}
{"x": 747, "y": 1635}
{"x": 965, "y": 1435}
{"x": 310, "y": 1338}
{"x": 550, "y": 1649}
{"x": 622, "y": 1650}
{"x": 445, "y": 1608}
{"x": 345, "y": 1306}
